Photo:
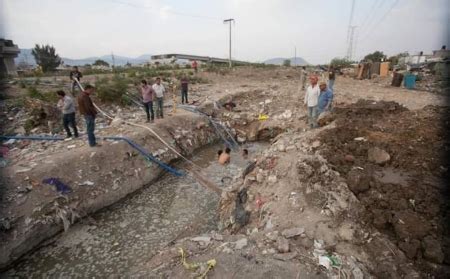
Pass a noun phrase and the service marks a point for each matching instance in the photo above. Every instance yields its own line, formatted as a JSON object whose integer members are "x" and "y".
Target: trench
{"x": 127, "y": 234}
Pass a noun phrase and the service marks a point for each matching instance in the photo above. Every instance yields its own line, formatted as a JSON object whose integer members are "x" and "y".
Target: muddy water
{"x": 128, "y": 233}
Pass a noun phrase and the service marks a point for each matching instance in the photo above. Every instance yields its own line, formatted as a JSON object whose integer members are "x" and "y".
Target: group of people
{"x": 150, "y": 94}
{"x": 318, "y": 99}
{"x": 86, "y": 107}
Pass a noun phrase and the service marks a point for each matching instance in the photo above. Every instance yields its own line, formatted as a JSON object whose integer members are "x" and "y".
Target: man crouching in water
{"x": 224, "y": 157}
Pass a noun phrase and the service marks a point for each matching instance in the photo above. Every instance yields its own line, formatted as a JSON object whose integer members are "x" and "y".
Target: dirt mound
{"x": 394, "y": 162}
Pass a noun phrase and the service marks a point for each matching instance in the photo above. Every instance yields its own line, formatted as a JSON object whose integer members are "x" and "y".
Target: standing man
{"x": 75, "y": 76}
{"x": 89, "y": 112}
{"x": 311, "y": 101}
{"x": 194, "y": 66}
{"x": 303, "y": 76}
{"x": 148, "y": 95}
{"x": 159, "y": 91}
{"x": 67, "y": 106}
{"x": 325, "y": 98}
{"x": 184, "y": 89}
{"x": 331, "y": 78}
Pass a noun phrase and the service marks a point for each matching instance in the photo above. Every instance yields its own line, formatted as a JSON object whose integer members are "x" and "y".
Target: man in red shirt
{"x": 194, "y": 66}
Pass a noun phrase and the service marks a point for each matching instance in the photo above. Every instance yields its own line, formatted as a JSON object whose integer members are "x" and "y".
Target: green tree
{"x": 287, "y": 63}
{"x": 46, "y": 57}
{"x": 394, "y": 59}
{"x": 100, "y": 62}
{"x": 377, "y": 56}
{"x": 340, "y": 63}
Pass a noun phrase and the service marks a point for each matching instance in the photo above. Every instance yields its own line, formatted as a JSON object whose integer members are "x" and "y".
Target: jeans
{"x": 69, "y": 119}
{"x": 184, "y": 94}
{"x": 312, "y": 117}
{"x": 331, "y": 84}
{"x": 75, "y": 85}
{"x": 148, "y": 107}
{"x": 90, "y": 127}
{"x": 159, "y": 107}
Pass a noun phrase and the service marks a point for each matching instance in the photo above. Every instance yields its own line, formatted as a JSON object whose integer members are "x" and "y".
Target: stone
{"x": 316, "y": 144}
{"x": 272, "y": 179}
{"x": 272, "y": 235}
{"x": 241, "y": 139}
{"x": 241, "y": 243}
{"x": 409, "y": 225}
{"x": 285, "y": 256}
{"x": 259, "y": 177}
{"x": 204, "y": 239}
{"x": 281, "y": 147}
{"x": 349, "y": 158}
{"x": 432, "y": 250}
{"x": 288, "y": 233}
{"x": 378, "y": 156}
{"x": 282, "y": 245}
{"x": 306, "y": 242}
{"x": 357, "y": 181}
{"x": 410, "y": 247}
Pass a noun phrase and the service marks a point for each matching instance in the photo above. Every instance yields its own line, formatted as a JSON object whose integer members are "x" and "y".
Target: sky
{"x": 314, "y": 30}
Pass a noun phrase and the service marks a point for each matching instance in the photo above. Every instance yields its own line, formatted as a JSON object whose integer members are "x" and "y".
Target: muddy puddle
{"x": 125, "y": 235}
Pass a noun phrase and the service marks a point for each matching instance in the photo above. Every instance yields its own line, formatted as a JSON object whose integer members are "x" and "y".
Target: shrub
{"x": 112, "y": 91}
{"x": 34, "y": 93}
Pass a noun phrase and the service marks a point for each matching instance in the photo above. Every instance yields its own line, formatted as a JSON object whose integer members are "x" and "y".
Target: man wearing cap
{"x": 311, "y": 101}
{"x": 325, "y": 98}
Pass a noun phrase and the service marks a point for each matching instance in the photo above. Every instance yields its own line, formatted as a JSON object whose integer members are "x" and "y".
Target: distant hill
{"x": 26, "y": 57}
{"x": 298, "y": 61}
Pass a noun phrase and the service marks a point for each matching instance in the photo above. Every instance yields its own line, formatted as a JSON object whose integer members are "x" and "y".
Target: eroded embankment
{"x": 113, "y": 171}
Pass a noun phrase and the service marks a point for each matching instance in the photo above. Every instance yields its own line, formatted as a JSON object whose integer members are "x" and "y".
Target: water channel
{"x": 125, "y": 235}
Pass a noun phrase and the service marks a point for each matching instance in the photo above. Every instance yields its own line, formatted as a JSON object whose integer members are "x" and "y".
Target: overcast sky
{"x": 263, "y": 28}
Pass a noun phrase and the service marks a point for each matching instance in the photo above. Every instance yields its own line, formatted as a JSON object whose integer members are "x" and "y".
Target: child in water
{"x": 224, "y": 157}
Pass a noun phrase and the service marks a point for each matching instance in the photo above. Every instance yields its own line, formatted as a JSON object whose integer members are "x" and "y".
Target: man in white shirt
{"x": 159, "y": 91}
{"x": 312, "y": 100}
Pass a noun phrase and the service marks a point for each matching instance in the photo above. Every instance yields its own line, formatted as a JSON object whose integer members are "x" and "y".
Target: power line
{"x": 379, "y": 21}
{"x": 369, "y": 15}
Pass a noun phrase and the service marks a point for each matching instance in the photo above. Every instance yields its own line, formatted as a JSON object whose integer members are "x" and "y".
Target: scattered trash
{"x": 194, "y": 266}
{"x": 71, "y": 146}
{"x": 23, "y": 170}
{"x": 325, "y": 261}
{"x": 60, "y": 187}
{"x": 360, "y": 139}
{"x": 263, "y": 117}
{"x": 86, "y": 183}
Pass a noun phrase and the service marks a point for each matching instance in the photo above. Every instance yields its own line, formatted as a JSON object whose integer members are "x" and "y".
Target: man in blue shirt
{"x": 325, "y": 98}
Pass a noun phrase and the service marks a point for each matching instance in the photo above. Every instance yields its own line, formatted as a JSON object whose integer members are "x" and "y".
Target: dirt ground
{"x": 315, "y": 196}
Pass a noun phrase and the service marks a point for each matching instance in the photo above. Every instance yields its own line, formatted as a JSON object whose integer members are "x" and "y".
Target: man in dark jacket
{"x": 184, "y": 89}
{"x": 75, "y": 76}
{"x": 89, "y": 112}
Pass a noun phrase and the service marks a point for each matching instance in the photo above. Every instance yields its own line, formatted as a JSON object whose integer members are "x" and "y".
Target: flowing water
{"x": 126, "y": 234}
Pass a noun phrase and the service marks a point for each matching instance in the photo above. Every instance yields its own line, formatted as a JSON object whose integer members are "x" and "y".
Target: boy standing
{"x": 67, "y": 106}
{"x": 159, "y": 91}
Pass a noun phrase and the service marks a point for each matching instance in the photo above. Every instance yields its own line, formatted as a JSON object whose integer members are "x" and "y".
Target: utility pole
{"x": 350, "y": 32}
{"x": 350, "y": 43}
{"x": 113, "y": 61}
{"x": 229, "y": 22}
{"x": 350, "y": 21}
{"x": 295, "y": 55}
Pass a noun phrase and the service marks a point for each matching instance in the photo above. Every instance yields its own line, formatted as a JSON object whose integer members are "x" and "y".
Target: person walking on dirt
{"x": 67, "y": 106}
{"x": 89, "y": 112}
{"x": 325, "y": 98}
{"x": 311, "y": 100}
{"x": 148, "y": 95}
{"x": 184, "y": 89}
{"x": 331, "y": 78}
{"x": 75, "y": 76}
{"x": 303, "y": 75}
{"x": 159, "y": 92}
{"x": 195, "y": 66}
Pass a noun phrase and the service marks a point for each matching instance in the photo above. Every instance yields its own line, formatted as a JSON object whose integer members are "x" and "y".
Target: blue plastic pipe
{"x": 129, "y": 141}
{"x": 148, "y": 155}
